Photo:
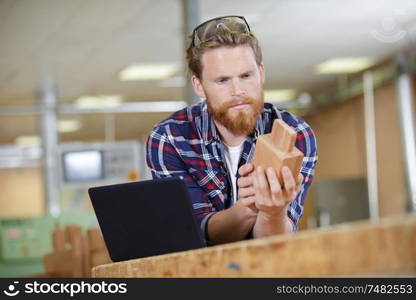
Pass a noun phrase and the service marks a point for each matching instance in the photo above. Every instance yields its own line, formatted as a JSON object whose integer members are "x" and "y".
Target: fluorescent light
{"x": 159, "y": 106}
{"x": 279, "y": 95}
{"x": 126, "y": 107}
{"x": 68, "y": 125}
{"x": 148, "y": 72}
{"x": 304, "y": 99}
{"x": 344, "y": 65}
{"x": 102, "y": 101}
{"x": 28, "y": 140}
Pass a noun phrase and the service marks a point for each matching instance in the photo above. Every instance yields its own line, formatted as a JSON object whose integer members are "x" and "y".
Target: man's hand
{"x": 260, "y": 190}
{"x": 246, "y": 190}
{"x": 265, "y": 184}
{"x": 238, "y": 217}
{"x": 271, "y": 199}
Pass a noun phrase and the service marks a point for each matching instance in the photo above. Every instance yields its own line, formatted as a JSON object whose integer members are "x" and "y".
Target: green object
{"x": 22, "y": 269}
{"x": 25, "y": 239}
{"x": 24, "y": 242}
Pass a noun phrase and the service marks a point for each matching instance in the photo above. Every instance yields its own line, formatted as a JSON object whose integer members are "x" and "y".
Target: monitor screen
{"x": 83, "y": 166}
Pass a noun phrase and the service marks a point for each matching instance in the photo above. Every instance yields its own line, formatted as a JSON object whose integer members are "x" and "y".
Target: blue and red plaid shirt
{"x": 187, "y": 145}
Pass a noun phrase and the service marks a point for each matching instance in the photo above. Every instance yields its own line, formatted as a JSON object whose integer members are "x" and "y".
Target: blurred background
{"x": 82, "y": 83}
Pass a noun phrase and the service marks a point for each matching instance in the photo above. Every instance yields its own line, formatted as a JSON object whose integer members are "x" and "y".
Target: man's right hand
{"x": 245, "y": 184}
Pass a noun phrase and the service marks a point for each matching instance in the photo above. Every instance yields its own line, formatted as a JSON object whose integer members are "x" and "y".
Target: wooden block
{"x": 59, "y": 239}
{"x": 380, "y": 248}
{"x": 74, "y": 257}
{"x": 96, "y": 240}
{"x": 86, "y": 257}
{"x": 58, "y": 263}
{"x": 277, "y": 149}
{"x": 62, "y": 263}
{"x": 74, "y": 233}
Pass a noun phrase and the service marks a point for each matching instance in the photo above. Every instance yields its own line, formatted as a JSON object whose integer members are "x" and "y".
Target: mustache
{"x": 232, "y": 103}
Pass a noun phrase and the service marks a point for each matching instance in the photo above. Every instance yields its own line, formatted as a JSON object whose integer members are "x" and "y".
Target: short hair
{"x": 220, "y": 36}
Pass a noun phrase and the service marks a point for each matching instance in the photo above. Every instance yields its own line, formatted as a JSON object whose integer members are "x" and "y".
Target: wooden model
{"x": 277, "y": 149}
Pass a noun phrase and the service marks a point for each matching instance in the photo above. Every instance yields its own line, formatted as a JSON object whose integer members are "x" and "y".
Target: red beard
{"x": 238, "y": 122}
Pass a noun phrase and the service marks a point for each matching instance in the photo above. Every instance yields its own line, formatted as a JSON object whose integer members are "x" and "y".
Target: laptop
{"x": 146, "y": 218}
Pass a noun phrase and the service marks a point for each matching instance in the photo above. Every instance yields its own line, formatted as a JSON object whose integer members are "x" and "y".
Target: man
{"x": 205, "y": 144}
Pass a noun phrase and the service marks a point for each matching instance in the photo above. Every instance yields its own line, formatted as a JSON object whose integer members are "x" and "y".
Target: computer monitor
{"x": 84, "y": 165}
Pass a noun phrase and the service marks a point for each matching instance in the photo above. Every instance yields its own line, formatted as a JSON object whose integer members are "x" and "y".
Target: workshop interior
{"x": 82, "y": 83}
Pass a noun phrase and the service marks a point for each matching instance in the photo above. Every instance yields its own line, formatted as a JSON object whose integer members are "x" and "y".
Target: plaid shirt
{"x": 187, "y": 145}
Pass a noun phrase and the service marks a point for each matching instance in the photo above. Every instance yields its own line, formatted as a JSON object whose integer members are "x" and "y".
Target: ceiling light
{"x": 28, "y": 140}
{"x": 158, "y": 106}
{"x": 304, "y": 99}
{"x": 148, "y": 72}
{"x": 344, "y": 65}
{"x": 68, "y": 125}
{"x": 103, "y": 101}
{"x": 279, "y": 95}
{"x": 126, "y": 107}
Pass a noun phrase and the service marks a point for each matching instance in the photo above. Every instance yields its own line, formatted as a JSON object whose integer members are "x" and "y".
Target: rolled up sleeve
{"x": 306, "y": 142}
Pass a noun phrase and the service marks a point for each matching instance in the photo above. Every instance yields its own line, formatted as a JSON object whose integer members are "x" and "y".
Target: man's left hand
{"x": 270, "y": 198}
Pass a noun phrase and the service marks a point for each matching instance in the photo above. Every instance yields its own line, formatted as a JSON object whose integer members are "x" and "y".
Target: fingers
{"x": 246, "y": 169}
{"x": 275, "y": 188}
{"x": 262, "y": 189}
{"x": 243, "y": 182}
{"x": 249, "y": 202}
{"x": 299, "y": 183}
{"x": 289, "y": 181}
{"x": 290, "y": 186}
{"x": 246, "y": 192}
{"x": 262, "y": 183}
{"x": 299, "y": 179}
{"x": 270, "y": 196}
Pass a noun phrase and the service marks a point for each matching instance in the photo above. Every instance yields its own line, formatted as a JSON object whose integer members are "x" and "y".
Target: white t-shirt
{"x": 232, "y": 157}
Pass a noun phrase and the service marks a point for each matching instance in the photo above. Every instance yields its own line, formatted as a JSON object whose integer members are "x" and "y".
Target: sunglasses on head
{"x": 206, "y": 30}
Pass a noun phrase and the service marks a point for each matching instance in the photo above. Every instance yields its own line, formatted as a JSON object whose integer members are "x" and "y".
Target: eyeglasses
{"x": 206, "y": 30}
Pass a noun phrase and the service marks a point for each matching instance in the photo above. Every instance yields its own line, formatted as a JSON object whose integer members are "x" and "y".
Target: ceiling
{"x": 81, "y": 45}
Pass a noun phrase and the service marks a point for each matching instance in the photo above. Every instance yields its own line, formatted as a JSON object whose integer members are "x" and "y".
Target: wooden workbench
{"x": 383, "y": 248}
